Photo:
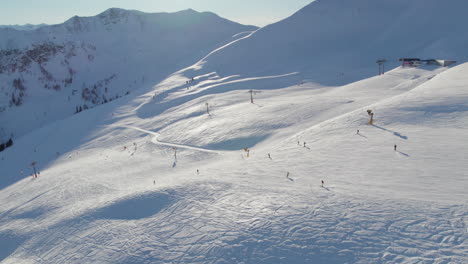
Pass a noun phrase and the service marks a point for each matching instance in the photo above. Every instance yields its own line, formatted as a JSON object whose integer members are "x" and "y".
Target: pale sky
{"x": 252, "y": 12}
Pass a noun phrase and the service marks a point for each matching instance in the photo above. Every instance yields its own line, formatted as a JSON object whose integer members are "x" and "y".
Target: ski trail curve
{"x": 226, "y": 45}
{"x": 155, "y": 140}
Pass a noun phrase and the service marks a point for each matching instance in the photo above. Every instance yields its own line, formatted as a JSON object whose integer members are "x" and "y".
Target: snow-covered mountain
{"x": 54, "y": 71}
{"x": 338, "y": 41}
{"x": 190, "y": 170}
{"x": 328, "y": 42}
{"x": 23, "y": 27}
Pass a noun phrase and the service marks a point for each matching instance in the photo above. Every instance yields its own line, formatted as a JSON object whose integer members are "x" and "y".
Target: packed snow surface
{"x": 112, "y": 188}
{"x": 192, "y": 171}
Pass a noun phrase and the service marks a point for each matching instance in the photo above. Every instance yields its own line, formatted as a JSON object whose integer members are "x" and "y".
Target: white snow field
{"x": 156, "y": 178}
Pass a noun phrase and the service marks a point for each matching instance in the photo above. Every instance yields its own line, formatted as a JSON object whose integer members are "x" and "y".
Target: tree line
{"x": 5, "y": 145}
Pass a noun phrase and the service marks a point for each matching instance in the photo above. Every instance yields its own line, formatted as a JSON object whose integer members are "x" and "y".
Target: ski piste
{"x": 157, "y": 177}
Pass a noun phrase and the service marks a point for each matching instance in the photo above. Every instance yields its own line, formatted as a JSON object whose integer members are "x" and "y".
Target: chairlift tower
{"x": 252, "y": 92}
{"x": 175, "y": 152}
{"x": 207, "y": 108}
{"x": 33, "y": 165}
{"x": 381, "y": 63}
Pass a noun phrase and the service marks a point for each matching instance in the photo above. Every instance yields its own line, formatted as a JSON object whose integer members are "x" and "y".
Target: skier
{"x": 287, "y": 176}
{"x": 304, "y": 144}
{"x": 357, "y": 132}
{"x": 322, "y": 183}
{"x": 269, "y": 156}
{"x": 198, "y": 172}
{"x": 394, "y": 147}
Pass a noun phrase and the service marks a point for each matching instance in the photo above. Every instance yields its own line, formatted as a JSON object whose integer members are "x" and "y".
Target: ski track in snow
{"x": 156, "y": 141}
{"x": 213, "y": 223}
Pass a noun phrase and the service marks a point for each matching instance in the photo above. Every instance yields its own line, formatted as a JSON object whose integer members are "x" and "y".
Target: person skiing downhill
{"x": 394, "y": 147}
{"x": 322, "y": 183}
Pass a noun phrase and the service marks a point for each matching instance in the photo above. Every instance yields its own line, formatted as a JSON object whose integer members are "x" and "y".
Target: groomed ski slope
{"x": 111, "y": 189}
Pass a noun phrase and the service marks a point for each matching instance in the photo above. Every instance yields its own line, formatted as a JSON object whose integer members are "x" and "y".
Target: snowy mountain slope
{"x": 112, "y": 188}
{"x": 334, "y": 42}
{"x": 314, "y": 46}
{"x": 332, "y": 102}
{"x": 49, "y": 73}
{"x": 107, "y": 200}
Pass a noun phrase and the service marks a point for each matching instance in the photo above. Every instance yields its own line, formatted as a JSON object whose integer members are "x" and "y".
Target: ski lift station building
{"x": 415, "y": 62}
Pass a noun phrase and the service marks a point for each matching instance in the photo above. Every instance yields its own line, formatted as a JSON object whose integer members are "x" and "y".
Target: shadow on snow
{"x": 393, "y": 132}
{"x": 134, "y": 208}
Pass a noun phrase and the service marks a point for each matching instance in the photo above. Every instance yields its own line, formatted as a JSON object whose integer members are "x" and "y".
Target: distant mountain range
{"x": 23, "y": 27}
{"x": 51, "y": 72}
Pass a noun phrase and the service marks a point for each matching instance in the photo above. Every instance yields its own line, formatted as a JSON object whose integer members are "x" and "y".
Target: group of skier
{"x": 304, "y": 144}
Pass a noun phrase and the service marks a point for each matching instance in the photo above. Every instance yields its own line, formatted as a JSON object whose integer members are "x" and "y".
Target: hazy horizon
{"x": 258, "y": 13}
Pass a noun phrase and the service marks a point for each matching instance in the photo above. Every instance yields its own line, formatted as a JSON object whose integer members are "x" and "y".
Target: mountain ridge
{"x": 82, "y": 59}
{"x": 346, "y": 36}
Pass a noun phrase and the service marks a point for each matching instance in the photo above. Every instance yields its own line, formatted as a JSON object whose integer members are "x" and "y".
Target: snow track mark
{"x": 157, "y": 142}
